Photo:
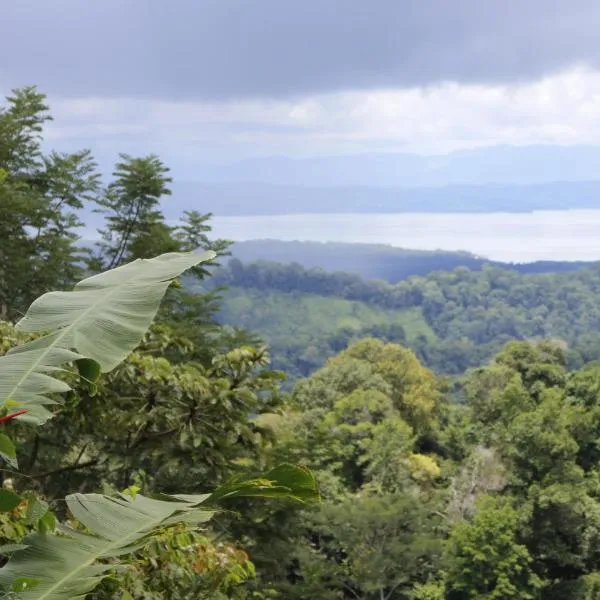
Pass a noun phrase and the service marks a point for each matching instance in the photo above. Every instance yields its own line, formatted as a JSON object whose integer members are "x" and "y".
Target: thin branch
{"x": 392, "y": 590}
{"x": 74, "y": 467}
{"x": 148, "y": 437}
{"x": 83, "y": 449}
{"x": 348, "y": 588}
{"x": 34, "y": 452}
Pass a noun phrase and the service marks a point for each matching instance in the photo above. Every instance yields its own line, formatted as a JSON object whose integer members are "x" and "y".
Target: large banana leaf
{"x": 66, "y": 566}
{"x": 96, "y": 326}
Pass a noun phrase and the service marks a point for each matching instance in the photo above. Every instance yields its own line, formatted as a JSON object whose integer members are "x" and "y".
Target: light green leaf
{"x": 96, "y": 326}
{"x": 47, "y": 523}
{"x": 66, "y": 566}
{"x": 102, "y": 320}
{"x": 36, "y": 509}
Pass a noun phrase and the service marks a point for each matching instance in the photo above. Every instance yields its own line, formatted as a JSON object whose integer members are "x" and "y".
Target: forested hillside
{"x": 162, "y": 459}
{"x": 453, "y": 320}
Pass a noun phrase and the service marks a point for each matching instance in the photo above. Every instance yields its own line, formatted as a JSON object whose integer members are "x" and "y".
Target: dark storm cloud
{"x": 219, "y": 49}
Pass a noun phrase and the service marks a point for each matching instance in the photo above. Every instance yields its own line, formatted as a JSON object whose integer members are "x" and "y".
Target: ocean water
{"x": 510, "y": 237}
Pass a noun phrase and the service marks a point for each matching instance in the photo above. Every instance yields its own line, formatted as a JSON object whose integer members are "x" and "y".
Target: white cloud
{"x": 559, "y": 109}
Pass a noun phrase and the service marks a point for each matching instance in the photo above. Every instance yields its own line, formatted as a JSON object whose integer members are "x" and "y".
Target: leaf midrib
{"x": 59, "y": 337}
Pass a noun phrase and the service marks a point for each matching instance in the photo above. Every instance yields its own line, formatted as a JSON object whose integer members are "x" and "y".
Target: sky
{"x": 215, "y": 81}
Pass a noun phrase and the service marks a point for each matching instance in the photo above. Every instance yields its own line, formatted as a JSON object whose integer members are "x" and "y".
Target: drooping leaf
{"x": 102, "y": 320}
{"x": 284, "y": 481}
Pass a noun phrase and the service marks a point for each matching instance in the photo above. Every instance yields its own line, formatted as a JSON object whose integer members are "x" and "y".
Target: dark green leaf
{"x": 8, "y": 500}
{"x": 285, "y": 481}
{"x": 8, "y": 451}
{"x": 89, "y": 372}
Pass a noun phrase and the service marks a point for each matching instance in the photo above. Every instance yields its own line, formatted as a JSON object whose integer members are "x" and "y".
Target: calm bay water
{"x": 512, "y": 237}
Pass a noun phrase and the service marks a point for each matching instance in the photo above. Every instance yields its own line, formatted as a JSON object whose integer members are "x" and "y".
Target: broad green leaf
{"x": 66, "y": 566}
{"x": 9, "y": 500}
{"x": 8, "y": 451}
{"x": 101, "y": 321}
{"x": 96, "y": 326}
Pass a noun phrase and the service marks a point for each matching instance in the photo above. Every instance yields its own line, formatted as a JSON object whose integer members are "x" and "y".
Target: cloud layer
{"x": 558, "y": 109}
{"x": 232, "y": 49}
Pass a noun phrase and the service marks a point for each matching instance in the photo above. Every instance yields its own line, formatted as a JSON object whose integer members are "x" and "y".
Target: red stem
{"x": 9, "y": 417}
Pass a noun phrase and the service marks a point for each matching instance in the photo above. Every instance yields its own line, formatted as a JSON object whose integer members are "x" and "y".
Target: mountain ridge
{"x": 536, "y": 163}
{"x": 253, "y": 199}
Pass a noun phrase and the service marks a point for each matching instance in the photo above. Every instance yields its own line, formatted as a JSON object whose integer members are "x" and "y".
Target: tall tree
{"x": 135, "y": 224}
{"x": 41, "y": 195}
{"x": 487, "y": 561}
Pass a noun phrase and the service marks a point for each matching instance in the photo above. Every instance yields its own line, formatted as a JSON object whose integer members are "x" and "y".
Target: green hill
{"x": 303, "y": 329}
{"x": 381, "y": 261}
{"x": 454, "y": 320}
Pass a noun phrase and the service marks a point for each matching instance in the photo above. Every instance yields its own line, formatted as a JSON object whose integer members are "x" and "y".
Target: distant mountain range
{"x": 227, "y": 199}
{"x": 495, "y": 179}
{"x": 498, "y": 164}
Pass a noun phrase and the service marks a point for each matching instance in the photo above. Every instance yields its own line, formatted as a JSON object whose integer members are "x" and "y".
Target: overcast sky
{"x": 198, "y": 80}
